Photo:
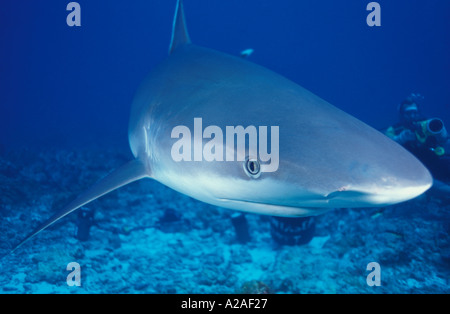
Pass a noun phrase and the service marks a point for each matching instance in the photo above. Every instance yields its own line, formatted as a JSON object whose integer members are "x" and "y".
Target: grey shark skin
{"x": 327, "y": 158}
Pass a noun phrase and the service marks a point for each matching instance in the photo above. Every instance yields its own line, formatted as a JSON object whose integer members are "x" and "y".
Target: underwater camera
{"x": 434, "y": 126}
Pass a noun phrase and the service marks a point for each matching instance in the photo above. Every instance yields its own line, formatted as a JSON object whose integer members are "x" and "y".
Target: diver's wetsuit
{"x": 439, "y": 166}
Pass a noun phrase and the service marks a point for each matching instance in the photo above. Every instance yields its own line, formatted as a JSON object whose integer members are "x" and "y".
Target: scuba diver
{"x": 283, "y": 230}
{"x": 85, "y": 220}
{"x": 426, "y": 138}
{"x": 292, "y": 230}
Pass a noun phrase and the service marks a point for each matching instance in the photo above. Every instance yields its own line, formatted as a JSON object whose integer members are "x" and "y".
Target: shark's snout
{"x": 377, "y": 195}
{"x": 389, "y": 186}
{"x": 403, "y": 186}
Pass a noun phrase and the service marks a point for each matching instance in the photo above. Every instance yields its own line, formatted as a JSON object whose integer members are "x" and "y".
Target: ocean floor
{"x": 147, "y": 238}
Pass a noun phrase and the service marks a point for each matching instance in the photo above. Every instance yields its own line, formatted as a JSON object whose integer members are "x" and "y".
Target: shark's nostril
{"x": 346, "y": 194}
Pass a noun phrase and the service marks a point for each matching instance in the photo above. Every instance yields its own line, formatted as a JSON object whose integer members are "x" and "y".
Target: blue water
{"x": 65, "y": 97}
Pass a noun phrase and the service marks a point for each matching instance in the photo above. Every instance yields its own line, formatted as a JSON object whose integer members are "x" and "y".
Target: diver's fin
{"x": 180, "y": 35}
{"x": 131, "y": 171}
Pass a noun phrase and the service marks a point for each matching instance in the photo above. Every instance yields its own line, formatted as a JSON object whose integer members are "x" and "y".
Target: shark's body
{"x": 327, "y": 158}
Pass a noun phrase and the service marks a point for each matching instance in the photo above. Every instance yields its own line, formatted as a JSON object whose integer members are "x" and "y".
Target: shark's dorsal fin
{"x": 180, "y": 35}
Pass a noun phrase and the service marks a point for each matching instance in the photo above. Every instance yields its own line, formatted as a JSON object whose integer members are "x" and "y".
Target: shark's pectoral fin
{"x": 131, "y": 171}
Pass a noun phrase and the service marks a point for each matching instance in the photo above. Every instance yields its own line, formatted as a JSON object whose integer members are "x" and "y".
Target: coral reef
{"x": 148, "y": 238}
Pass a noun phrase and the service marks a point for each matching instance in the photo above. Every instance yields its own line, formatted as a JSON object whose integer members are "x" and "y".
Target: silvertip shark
{"x": 327, "y": 158}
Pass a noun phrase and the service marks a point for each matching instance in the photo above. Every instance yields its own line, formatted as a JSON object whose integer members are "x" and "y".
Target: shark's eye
{"x": 252, "y": 168}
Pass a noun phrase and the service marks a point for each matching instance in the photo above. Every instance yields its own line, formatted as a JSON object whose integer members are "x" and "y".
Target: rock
{"x": 254, "y": 287}
{"x": 240, "y": 256}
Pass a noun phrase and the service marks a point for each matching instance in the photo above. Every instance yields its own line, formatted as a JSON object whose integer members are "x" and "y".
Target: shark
{"x": 328, "y": 159}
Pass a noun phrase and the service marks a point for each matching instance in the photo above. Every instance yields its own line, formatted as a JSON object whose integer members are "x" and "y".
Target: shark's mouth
{"x": 314, "y": 202}
{"x": 317, "y": 204}
{"x": 285, "y": 210}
